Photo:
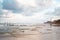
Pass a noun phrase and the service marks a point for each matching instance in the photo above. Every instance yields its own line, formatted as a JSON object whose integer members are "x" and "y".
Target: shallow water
{"x": 47, "y": 32}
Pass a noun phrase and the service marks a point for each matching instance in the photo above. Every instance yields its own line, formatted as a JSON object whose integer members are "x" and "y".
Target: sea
{"x": 45, "y": 32}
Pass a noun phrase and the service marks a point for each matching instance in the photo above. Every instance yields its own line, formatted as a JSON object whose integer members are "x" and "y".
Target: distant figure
{"x": 23, "y": 31}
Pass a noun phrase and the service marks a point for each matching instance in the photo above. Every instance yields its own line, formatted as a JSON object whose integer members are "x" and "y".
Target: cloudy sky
{"x": 29, "y": 11}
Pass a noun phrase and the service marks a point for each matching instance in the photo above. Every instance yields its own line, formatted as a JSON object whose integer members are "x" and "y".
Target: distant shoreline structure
{"x": 54, "y": 23}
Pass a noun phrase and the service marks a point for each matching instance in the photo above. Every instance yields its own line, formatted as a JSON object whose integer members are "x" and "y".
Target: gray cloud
{"x": 12, "y": 5}
{"x": 27, "y": 10}
{"x": 56, "y": 12}
{"x": 9, "y": 4}
{"x": 28, "y": 13}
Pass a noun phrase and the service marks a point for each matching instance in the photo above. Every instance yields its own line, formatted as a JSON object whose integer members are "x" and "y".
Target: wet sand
{"x": 21, "y": 37}
{"x": 35, "y": 36}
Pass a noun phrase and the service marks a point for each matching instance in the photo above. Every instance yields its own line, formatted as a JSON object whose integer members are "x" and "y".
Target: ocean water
{"x": 47, "y": 32}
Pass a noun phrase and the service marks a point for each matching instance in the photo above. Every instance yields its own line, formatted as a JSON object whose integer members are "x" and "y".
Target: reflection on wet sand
{"x": 32, "y": 32}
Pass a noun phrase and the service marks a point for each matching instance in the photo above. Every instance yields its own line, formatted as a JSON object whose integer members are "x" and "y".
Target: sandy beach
{"x": 21, "y": 37}
{"x": 29, "y": 36}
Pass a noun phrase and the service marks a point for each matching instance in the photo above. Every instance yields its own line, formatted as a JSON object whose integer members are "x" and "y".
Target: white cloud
{"x": 35, "y": 3}
{"x": 7, "y": 13}
{"x": 56, "y": 3}
{"x": 55, "y": 18}
{"x": 44, "y": 3}
{"x": 40, "y": 9}
{"x": 26, "y": 2}
{"x": 19, "y": 18}
{"x": 31, "y": 6}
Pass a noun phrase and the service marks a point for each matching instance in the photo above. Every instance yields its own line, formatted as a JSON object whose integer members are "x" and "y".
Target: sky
{"x": 29, "y": 11}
